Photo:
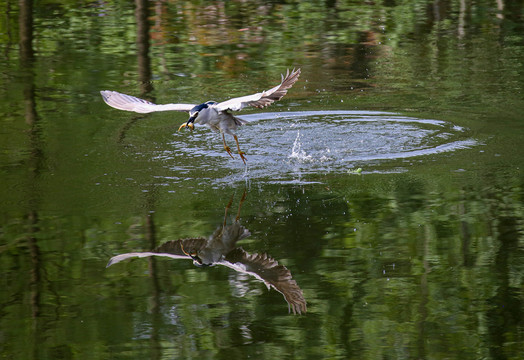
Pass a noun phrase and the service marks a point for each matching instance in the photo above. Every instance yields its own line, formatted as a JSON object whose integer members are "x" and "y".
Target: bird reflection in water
{"x": 220, "y": 249}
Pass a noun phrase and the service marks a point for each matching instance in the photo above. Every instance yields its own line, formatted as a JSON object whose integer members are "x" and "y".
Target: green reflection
{"x": 413, "y": 258}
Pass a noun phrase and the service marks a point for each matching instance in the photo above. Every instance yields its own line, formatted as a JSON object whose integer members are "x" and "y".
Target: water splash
{"x": 297, "y": 153}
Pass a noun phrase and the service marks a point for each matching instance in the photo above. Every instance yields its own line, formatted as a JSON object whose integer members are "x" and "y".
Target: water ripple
{"x": 286, "y": 146}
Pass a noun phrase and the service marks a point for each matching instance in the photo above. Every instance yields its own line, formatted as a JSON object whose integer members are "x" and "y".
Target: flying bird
{"x": 220, "y": 249}
{"x": 216, "y": 116}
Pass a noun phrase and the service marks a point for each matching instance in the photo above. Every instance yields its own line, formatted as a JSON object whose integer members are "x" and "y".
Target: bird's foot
{"x": 190, "y": 126}
{"x": 228, "y": 151}
{"x": 241, "y": 153}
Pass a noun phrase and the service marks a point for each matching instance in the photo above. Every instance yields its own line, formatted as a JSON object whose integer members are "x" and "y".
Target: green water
{"x": 418, "y": 256}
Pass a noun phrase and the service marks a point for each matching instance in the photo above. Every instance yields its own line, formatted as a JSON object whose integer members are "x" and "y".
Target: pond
{"x": 380, "y": 212}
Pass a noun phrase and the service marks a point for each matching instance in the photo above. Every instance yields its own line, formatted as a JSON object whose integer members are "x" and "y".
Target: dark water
{"x": 388, "y": 181}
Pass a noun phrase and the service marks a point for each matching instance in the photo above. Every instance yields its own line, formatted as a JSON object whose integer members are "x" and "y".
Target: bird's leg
{"x": 240, "y": 152}
{"x": 240, "y": 204}
{"x": 225, "y": 146}
{"x": 190, "y": 126}
{"x": 228, "y": 206}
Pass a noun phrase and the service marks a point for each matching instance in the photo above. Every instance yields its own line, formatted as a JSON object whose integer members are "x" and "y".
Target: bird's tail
{"x": 239, "y": 122}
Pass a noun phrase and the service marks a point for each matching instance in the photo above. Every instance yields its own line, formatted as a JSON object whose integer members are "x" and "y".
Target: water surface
{"x": 388, "y": 181}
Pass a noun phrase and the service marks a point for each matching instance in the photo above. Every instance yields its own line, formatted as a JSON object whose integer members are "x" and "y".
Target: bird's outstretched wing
{"x": 175, "y": 249}
{"x": 130, "y": 103}
{"x": 264, "y": 98}
{"x": 271, "y": 273}
{"x": 182, "y": 246}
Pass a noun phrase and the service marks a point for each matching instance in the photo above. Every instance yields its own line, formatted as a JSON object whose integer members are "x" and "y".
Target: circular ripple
{"x": 281, "y": 145}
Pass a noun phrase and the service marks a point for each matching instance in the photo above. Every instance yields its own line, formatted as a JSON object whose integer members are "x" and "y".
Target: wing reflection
{"x": 220, "y": 249}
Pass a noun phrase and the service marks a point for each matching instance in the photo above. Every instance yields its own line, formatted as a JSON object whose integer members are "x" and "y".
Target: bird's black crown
{"x": 205, "y": 105}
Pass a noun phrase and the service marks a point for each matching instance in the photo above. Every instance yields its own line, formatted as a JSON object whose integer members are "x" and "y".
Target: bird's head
{"x": 198, "y": 262}
{"x": 197, "y": 111}
{"x": 193, "y": 254}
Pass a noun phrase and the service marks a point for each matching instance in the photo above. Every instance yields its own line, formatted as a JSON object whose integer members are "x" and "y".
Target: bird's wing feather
{"x": 130, "y": 103}
{"x": 174, "y": 249}
{"x": 121, "y": 257}
{"x": 182, "y": 246}
{"x": 271, "y": 273}
{"x": 264, "y": 98}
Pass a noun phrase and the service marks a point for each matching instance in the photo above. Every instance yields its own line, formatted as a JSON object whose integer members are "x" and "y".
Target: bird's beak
{"x": 191, "y": 120}
{"x": 189, "y": 123}
{"x": 198, "y": 263}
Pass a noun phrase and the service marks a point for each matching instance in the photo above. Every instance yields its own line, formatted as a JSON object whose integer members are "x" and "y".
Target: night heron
{"x": 220, "y": 249}
{"x": 215, "y": 115}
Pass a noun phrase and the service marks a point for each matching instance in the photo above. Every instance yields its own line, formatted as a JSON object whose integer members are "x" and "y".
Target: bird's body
{"x": 219, "y": 121}
{"x": 217, "y": 116}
